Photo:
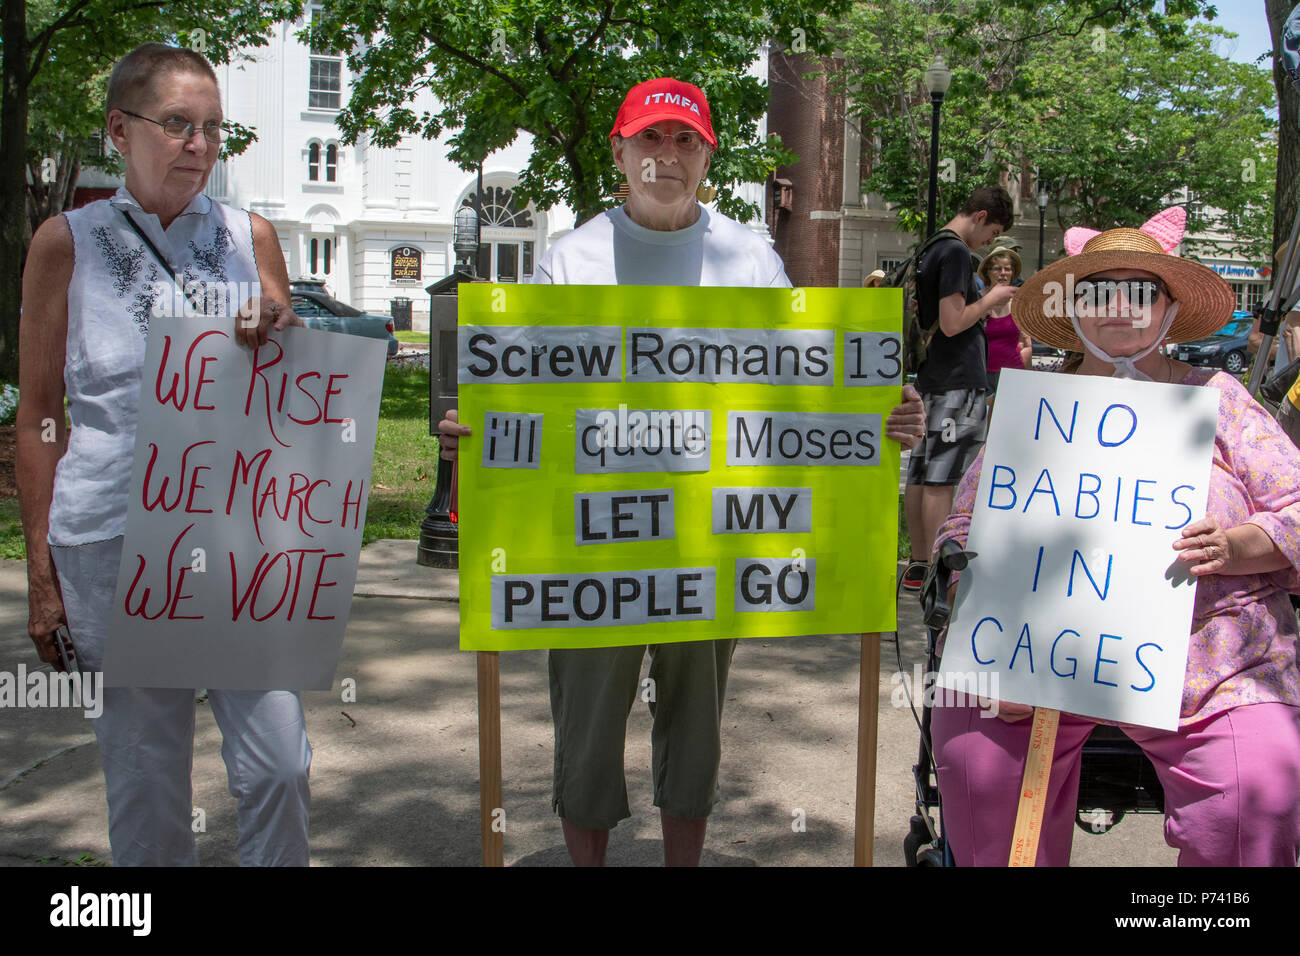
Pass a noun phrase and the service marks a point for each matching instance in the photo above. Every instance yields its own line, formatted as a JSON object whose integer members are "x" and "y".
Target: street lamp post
{"x": 937, "y": 79}
{"x": 465, "y": 236}
{"x": 439, "y": 534}
{"x": 1042, "y": 220}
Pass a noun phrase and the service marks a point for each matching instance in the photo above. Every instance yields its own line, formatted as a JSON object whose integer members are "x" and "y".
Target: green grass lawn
{"x": 11, "y": 530}
{"x": 412, "y": 338}
{"x": 406, "y": 462}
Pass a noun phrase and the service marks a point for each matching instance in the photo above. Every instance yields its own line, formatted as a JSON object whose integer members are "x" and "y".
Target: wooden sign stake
{"x": 864, "y": 821}
{"x": 1033, "y": 789}
{"x": 489, "y": 758}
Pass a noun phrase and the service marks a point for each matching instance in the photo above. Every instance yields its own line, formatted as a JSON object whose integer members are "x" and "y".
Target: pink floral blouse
{"x": 1243, "y": 642}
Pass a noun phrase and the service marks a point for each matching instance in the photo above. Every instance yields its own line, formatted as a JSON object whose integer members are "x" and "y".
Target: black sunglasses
{"x": 1104, "y": 293}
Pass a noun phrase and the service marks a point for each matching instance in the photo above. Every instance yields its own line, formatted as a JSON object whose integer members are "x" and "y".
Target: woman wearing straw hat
{"x": 1008, "y": 345}
{"x": 1231, "y": 771}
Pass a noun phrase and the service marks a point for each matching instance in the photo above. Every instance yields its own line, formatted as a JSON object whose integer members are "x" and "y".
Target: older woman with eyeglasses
{"x": 1231, "y": 771}
{"x": 96, "y": 279}
{"x": 1008, "y": 346}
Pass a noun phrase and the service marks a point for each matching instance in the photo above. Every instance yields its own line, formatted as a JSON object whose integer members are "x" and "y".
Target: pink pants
{"x": 1232, "y": 785}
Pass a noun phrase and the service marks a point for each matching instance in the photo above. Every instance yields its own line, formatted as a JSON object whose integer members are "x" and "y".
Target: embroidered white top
{"x": 117, "y": 287}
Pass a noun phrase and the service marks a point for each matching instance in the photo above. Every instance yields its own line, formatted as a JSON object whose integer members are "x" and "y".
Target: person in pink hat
{"x": 662, "y": 141}
{"x": 1231, "y": 770}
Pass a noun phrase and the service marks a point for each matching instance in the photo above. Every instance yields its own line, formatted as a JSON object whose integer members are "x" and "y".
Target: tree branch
{"x": 595, "y": 35}
{"x": 67, "y": 21}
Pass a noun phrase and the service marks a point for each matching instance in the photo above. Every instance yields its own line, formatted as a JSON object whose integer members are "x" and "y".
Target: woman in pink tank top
{"x": 1008, "y": 346}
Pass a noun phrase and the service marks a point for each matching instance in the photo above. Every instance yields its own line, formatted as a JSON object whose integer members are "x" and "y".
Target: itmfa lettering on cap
{"x": 674, "y": 98}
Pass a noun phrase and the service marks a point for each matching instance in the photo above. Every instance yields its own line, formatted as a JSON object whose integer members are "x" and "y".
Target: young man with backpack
{"x": 952, "y": 379}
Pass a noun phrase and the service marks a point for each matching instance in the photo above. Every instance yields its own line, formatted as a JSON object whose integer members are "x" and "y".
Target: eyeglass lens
{"x": 685, "y": 140}
{"x": 182, "y": 129}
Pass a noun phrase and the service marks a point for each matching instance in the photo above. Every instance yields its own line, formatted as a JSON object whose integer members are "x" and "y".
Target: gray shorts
{"x": 592, "y": 693}
{"x": 956, "y": 425}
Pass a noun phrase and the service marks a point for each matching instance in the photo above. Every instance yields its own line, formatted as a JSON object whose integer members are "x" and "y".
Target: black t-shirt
{"x": 959, "y": 361}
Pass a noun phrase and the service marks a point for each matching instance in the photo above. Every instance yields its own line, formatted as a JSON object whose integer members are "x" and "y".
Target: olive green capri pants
{"x": 592, "y": 692}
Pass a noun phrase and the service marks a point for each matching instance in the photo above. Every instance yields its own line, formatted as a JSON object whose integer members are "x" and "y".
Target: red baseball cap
{"x": 664, "y": 99}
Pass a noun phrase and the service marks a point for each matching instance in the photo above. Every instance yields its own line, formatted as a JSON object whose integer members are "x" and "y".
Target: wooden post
{"x": 864, "y": 822}
{"x": 489, "y": 758}
{"x": 1033, "y": 788}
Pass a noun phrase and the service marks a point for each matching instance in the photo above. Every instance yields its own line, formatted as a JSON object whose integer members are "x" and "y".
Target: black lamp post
{"x": 439, "y": 535}
{"x": 465, "y": 237}
{"x": 937, "y": 79}
{"x": 1042, "y": 220}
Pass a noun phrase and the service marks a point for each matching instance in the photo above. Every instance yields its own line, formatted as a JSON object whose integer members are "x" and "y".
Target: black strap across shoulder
{"x": 157, "y": 254}
{"x": 162, "y": 260}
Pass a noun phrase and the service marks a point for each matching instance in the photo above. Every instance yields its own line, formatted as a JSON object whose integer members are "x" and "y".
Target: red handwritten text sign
{"x": 247, "y": 502}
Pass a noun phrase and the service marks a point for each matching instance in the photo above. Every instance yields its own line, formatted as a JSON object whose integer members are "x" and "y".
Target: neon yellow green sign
{"x": 653, "y": 464}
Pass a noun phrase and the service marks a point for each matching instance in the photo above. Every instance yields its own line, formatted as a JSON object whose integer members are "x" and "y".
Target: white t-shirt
{"x": 613, "y": 250}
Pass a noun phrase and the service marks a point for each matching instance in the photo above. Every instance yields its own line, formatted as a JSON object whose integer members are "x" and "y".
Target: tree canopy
{"x": 1114, "y": 117}
{"x": 56, "y": 57}
{"x": 559, "y": 70}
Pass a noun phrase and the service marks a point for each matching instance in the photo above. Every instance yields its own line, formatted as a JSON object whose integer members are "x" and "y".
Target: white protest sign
{"x": 1076, "y": 600}
{"x": 247, "y": 504}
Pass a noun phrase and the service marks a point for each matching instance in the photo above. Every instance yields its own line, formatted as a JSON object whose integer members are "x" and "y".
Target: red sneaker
{"x": 914, "y": 575}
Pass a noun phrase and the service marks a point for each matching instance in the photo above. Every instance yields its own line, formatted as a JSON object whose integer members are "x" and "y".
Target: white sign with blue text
{"x": 1075, "y": 600}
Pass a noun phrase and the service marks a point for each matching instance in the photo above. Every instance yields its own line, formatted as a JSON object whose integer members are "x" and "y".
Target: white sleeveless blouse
{"x": 118, "y": 288}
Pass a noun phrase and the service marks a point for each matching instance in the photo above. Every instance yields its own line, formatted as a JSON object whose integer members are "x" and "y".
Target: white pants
{"x": 146, "y": 741}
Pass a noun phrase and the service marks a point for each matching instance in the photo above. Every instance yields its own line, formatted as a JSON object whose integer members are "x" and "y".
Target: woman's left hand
{"x": 906, "y": 423}
{"x": 259, "y": 316}
{"x": 1206, "y": 547}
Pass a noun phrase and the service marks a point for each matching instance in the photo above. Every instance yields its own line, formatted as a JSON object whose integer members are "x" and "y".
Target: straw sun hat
{"x": 1205, "y": 300}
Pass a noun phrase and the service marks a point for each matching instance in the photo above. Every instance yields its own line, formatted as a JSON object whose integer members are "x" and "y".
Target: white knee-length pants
{"x": 146, "y": 742}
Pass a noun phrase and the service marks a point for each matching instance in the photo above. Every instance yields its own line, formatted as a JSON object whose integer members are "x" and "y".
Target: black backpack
{"x": 916, "y": 338}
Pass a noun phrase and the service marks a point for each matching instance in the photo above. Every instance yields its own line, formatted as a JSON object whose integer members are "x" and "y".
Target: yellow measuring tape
{"x": 1033, "y": 789}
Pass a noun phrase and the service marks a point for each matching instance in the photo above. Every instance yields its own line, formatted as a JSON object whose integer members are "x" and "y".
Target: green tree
{"x": 559, "y": 72}
{"x": 54, "y": 58}
{"x": 1115, "y": 116}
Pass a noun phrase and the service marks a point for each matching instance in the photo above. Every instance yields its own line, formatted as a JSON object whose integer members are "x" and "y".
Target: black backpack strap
{"x": 933, "y": 241}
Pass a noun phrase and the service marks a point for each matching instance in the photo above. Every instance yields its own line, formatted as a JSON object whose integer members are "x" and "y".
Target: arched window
{"x": 331, "y": 162}
{"x": 313, "y": 162}
{"x": 319, "y": 253}
{"x": 504, "y": 259}
{"x": 500, "y": 209}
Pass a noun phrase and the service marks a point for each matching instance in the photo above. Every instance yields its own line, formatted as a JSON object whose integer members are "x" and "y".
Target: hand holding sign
{"x": 906, "y": 423}
{"x": 449, "y": 432}
{"x": 259, "y": 316}
{"x": 1206, "y": 547}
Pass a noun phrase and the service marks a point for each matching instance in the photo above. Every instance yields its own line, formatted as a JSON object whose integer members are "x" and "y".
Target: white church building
{"x": 374, "y": 224}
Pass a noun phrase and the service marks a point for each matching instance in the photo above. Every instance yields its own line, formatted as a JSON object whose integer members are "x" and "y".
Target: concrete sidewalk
{"x": 395, "y": 773}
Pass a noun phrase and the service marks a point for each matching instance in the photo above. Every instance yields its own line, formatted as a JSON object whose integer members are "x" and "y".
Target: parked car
{"x": 1046, "y": 358}
{"x": 320, "y": 310}
{"x": 1226, "y": 349}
